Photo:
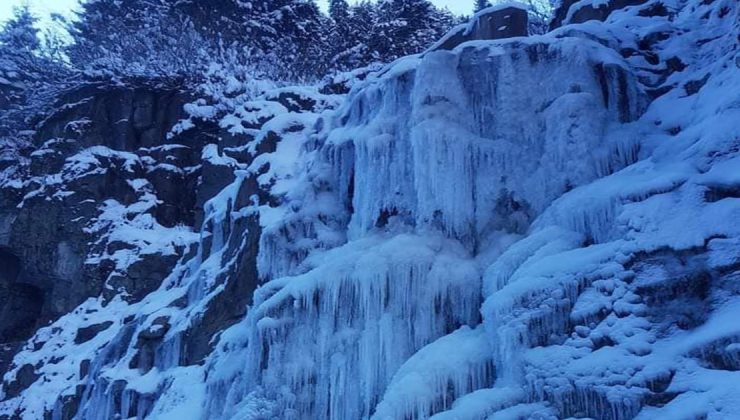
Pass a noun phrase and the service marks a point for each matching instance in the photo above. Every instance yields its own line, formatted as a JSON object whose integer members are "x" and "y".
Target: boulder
{"x": 86, "y": 334}
{"x": 584, "y": 11}
{"x": 24, "y": 377}
{"x": 505, "y": 21}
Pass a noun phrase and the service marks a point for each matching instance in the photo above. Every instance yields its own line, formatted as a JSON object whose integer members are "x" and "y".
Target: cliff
{"x": 532, "y": 227}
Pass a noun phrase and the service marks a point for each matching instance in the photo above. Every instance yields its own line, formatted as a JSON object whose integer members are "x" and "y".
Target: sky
{"x": 42, "y": 8}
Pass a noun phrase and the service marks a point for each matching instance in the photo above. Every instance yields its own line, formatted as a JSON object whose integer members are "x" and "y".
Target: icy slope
{"x": 613, "y": 303}
{"x": 335, "y": 337}
{"x": 116, "y": 352}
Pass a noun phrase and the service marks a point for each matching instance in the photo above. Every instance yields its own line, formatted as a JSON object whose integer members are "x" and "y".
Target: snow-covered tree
{"x": 135, "y": 37}
{"x": 384, "y": 31}
{"x": 20, "y": 33}
{"x": 19, "y": 42}
{"x": 481, "y": 4}
{"x": 408, "y": 26}
{"x": 287, "y": 39}
{"x": 339, "y": 10}
{"x": 18, "y": 63}
{"x": 27, "y": 78}
{"x": 172, "y": 37}
{"x": 300, "y": 47}
{"x": 347, "y": 34}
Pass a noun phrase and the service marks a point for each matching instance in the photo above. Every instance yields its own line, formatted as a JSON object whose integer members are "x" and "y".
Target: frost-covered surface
{"x": 536, "y": 228}
{"x": 627, "y": 259}
{"x": 115, "y": 353}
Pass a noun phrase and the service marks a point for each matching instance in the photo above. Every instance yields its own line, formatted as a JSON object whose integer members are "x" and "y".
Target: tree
{"x": 19, "y": 41}
{"x": 407, "y": 27}
{"x": 136, "y": 37}
{"x": 384, "y": 31}
{"x": 481, "y": 4}
{"x": 181, "y": 38}
{"x": 339, "y": 11}
{"x": 344, "y": 35}
{"x": 19, "y": 37}
{"x": 300, "y": 47}
{"x": 286, "y": 39}
{"x": 27, "y": 79}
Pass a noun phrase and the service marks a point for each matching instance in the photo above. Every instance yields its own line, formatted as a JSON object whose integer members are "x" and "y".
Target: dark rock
{"x": 659, "y": 399}
{"x": 84, "y": 368}
{"x": 648, "y": 41}
{"x": 341, "y": 84}
{"x": 241, "y": 280}
{"x": 587, "y": 12}
{"x": 157, "y": 330}
{"x": 716, "y": 193}
{"x": 46, "y": 241}
{"x": 692, "y": 87}
{"x": 24, "y": 377}
{"x": 20, "y": 303}
{"x": 293, "y": 101}
{"x": 658, "y": 92}
{"x": 7, "y": 351}
{"x": 48, "y": 233}
{"x": 47, "y": 236}
{"x": 116, "y": 246}
{"x": 143, "y": 276}
{"x": 50, "y": 158}
{"x": 10, "y": 266}
{"x": 175, "y": 154}
{"x": 147, "y": 342}
{"x": 86, "y": 334}
{"x": 655, "y": 9}
{"x": 492, "y": 23}
{"x": 69, "y": 405}
{"x": 680, "y": 296}
{"x": 240, "y": 154}
{"x": 721, "y": 354}
{"x": 121, "y": 118}
{"x": 269, "y": 143}
{"x": 213, "y": 179}
{"x": 674, "y": 64}
{"x": 112, "y": 181}
{"x": 175, "y": 189}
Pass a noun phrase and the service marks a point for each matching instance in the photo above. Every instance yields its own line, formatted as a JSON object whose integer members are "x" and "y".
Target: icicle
{"x": 362, "y": 315}
{"x": 168, "y": 353}
{"x": 436, "y": 375}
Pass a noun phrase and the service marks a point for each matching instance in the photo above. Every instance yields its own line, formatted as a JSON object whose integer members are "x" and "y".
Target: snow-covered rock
{"x": 524, "y": 228}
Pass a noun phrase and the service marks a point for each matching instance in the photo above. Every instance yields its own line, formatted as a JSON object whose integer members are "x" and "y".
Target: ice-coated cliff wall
{"x": 527, "y": 228}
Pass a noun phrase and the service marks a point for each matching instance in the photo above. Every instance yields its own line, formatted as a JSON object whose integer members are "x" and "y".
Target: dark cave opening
{"x": 10, "y": 267}
{"x": 20, "y": 303}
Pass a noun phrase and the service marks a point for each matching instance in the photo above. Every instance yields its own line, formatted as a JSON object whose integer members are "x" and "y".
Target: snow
{"x": 508, "y": 230}
{"x": 414, "y": 127}
{"x": 481, "y": 404}
{"x": 367, "y": 287}
{"x": 454, "y": 365}
{"x": 580, "y": 180}
{"x": 428, "y": 152}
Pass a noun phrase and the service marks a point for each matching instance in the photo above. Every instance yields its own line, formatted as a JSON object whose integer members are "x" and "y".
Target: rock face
{"x": 493, "y": 23}
{"x": 575, "y": 11}
{"x": 528, "y": 227}
{"x": 85, "y": 157}
{"x": 102, "y": 160}
{"x": 465, "y": 160}
{"x": 99, "y": 214}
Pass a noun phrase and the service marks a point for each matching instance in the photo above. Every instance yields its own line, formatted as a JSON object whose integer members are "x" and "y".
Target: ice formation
{"x": 519, "y": 228}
